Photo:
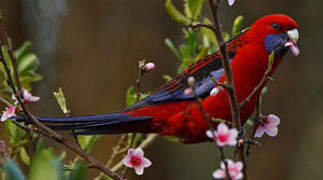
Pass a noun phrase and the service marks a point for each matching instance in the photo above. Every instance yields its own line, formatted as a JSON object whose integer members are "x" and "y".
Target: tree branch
{"x": 31, "y": 119}
{"x": 234, "y": 105}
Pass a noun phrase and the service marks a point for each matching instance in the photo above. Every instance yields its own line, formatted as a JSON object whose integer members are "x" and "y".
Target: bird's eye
{"x": 276, "y": 26}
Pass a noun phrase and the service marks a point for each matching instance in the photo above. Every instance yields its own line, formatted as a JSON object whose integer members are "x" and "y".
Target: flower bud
{"x": 149, "y": 66}
{"x": 191, "y": 81}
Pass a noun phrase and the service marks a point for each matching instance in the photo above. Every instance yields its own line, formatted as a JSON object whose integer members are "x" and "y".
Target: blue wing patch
{"x": 203, "y": 86}
{"x": 202, "y": 71}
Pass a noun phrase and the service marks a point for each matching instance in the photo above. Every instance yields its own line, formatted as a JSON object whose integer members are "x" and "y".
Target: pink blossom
{"x": 269, "y": 126}
{"x": 26, "y": 96}
{"x": 224, "y": 135}
{"x": 216, "y": 90}
{"x": 135, "y": 159}
{"x": 149, "y": 66}
{"x": 231, "y": 2}
{"x": 233, "y": 168}
{"x": 188, "y": 91}
{"x": 8, "y": 113}
{"x": 293, "y": 48}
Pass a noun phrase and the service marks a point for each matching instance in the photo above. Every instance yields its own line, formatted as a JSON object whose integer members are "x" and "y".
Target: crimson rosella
{"x": 170, "y": 111}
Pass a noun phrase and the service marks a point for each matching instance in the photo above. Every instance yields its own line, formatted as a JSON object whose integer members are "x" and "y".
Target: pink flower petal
{"x": 272, "y": 131}
{"x": 234, "y": 170}
{"x": 230, "y": 163}
{"x": 215, "y": 91}
{"x": 238, "y": 165}
{"x": 232, "y": 142}
{"x": 222, "y": 165}
{"x": 131, "y": 152}
{"x": 233, "y": 133}
{"x": 8, "y": 113}
{"x": 188, "y": 91}
{"x": 222, "y": 128}
{"x": 126, "y": 162}
{"x": 220, "y": 143}
{"x": 259, "y": 131}
{"x": 231, "y": 2}
{"x": 273, "y": 119}
{"x": 146, "y": 162}
{"x": 135, "y": 159}
{"x": 13, "y": 97}
{"x": 209, "y": 134}
{"x": 219, "y": 173}
{"x": 28, "y": 97}
{"x": 139, "y": 152}
{"x": 295, "y": 50}
{"x": 139, "y": 170}
{"x": 239, "y": 176}
{"x": 149, "y": 66}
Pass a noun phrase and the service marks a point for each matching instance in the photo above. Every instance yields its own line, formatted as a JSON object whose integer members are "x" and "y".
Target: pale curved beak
{"x": 293, "y": 36}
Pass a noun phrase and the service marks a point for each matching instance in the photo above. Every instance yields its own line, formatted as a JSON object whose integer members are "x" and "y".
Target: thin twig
{"x": 222, "y": 156}
{"x": 235, "y": 108}
{"x": 140, "y": 78}
{"x": 5, "y": 102}
{"x": 3, "y": 150}
{"x": 116, "y": 150}
{"x": 256, "y": 123}
{"x": 255, "y": 90}
{"x": 199, "y": 25}
{"x": 214, "y": 4}
{"x": 30, "y": 118}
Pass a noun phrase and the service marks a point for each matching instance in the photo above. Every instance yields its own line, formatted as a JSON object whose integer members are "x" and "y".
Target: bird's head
{"x": 277, "y": 33}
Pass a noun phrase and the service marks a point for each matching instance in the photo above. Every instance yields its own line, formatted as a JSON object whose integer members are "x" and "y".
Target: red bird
{"x": 171, "y": 112}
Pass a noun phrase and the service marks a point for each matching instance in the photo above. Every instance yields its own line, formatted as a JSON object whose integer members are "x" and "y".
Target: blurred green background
{"x": 91, "y": 50}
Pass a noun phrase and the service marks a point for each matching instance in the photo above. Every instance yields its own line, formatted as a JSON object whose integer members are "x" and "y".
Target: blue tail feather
{"x": 113, "y": 123}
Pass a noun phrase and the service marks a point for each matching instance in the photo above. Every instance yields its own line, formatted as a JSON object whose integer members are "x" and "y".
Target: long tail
{"x": 114, "y": 123}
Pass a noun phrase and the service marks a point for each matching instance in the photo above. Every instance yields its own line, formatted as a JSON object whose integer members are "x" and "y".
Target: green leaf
{"x": 12, "y": 171}
{"x": 62, "y": 155}
{"x": 87, "y": 142}
{"x": 192, "y": 43}
{"x": 135, "y": 139}
{"x": 264, "y": 91}
{"x": 171, "y": 46}
{"x": 60, "y": 98}
{"x": 107, "y": 178}
{"x": 237, "y": 24}
{"x": 218, "y": 120}
{"x": 28, "y": 63}
{"x": 208, "y": 35}
{"x": 249, "y": 122}
{"x": 79, "y": 172}
{"x": 45, "y": 165}
{"x": 24, "y": 156}
{"x": 131, "y": 96}
{"x": 175, "y": 14}
{"x": 23, "y": 50}
{"x": 6, "y": 56}
{"x": 167, "y": 77}
{"x": 226, "y": 36}
{"x": 173, "y": 139}
{"x": 193, "y": 8}
{"x": 270, "y": 61}
{"x": 15, "y": 134}
{"x": 203, "y": 52}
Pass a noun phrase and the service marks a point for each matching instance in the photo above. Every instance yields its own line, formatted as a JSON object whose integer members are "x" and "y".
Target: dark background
{"x": 91, "y": 50}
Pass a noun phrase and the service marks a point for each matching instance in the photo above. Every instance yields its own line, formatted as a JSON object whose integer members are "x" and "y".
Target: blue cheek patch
{"x": 275, "y": 42}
